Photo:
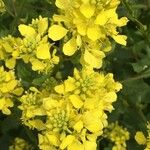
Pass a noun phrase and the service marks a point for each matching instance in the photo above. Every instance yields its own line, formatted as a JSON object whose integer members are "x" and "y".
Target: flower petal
{"x": 43, "y": 51}
{"x": 76, "y": 101}
{"x": 57, "y": 32}
{"x": 26, "y": 30}
{"x": 121, "y": 39}
{"x": 94, "y": 33}
{"x": 87, "y": 10}
{"x": 70, "y": 47}
{"x": 67, "y": 141}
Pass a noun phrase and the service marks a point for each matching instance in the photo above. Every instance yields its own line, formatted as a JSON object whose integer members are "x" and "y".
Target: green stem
{"x": 131, "y": 16}
{"x": 140, "y": 6}
{"x": 14, "y": 8}
{"x": 143, "y": 74}
{"x": 136, "y": 78}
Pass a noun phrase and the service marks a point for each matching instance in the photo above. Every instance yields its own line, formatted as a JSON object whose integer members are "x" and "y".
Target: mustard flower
{"x": 35, "y": 46}
{"x": 5, "y": 103}
{"x": 65, "y": 128}
{"x": 10, "y": 48}
{"x": 81, "y": 23}
{"x": 141, "y": 139}
{"x": 90, "y": 89}
{"x": 73, "y": 114}
{"x": 9, "y": 86}
{"x": 75, "y": 117}
{"x": 30, "y": 106}
{"x": 118, "y": 135}
{"x": 20, "y": 144}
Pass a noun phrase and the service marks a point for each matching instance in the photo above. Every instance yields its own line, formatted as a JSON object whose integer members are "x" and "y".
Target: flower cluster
{"x": 10, "y": 50}
{"x": 141, "y": 139}
{"x": 9, "y": 86}
{"x": 68, "y": 114}
{"x": 74, "y": 114}
{"x": 86, "y": 25}
{"x": 32, "y": 48}
{"x": 118, "y": 135}
{"x": 20, "y": 144}
{"x": 35, "y": 46}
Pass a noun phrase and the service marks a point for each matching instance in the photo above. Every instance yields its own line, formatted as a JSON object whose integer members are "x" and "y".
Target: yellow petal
{"x": 18, "y": 91}
{"x": 102, "y": 18}
{"x": 88, "y": 145}
{"x": 10, "y": 63}
{"x": 79, "y": 41}
{"x": 57, "y": 32}
{"x": 6, "y": 111}
{"x": 91, "y": 60}
{"x": 49, "y": 103}
{"x": 60, "y": 18}
{"x": 53, "y": 139}
{"x": 37, "y": 65}
{"x": 94, "y": 33}
{"x": 26, "y": 30}
{"x": 76, "y": 101}
{"x": 85, "y": 1}
{"x": 76, "y": 74}
{"x": 60, "y": 89}
{"x": 62, "y": 4}
{"x": 87, "y": 10}
{"x": 9, "y": 102}
{"x": 70, "y": 47}
{"x": 38, "y": 124}
{"x": 81, "y": 27}
{"x": 2, "y": 103}
{"x": 92, "y": 121}
{"x": 7, "y": 47}
{"x": 121, "y": 39}
{"x": 43, "y": 51}
{"x": 9, "y": 86}
{"x": 69, "y": 85}
{"x": 76, "y": 146}
{"x": 78, "y": 126}
{"x": 67, "y": 141}
{"x": 121, "y": 22}
{"x": 110, "y": 97}
{"x": 42, "y": 25}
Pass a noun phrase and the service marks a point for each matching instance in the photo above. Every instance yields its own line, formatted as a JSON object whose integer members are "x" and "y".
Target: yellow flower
{"x": 9, "y": 86}
{"x": 94, "y": 121}
{"x": 20, "y": 144}
{"x": 118, "y": 135}
{"x": 140, "y": 138}
{"x": 10, "y": 50}
{"x": 5, "y": 103}
{"x": 35, "y": 47}
{"x": 30, "y": 106}
{"x": 90, "y": 90}
{"x": 92, "y": 21}
{"x": 7, "y": 82}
